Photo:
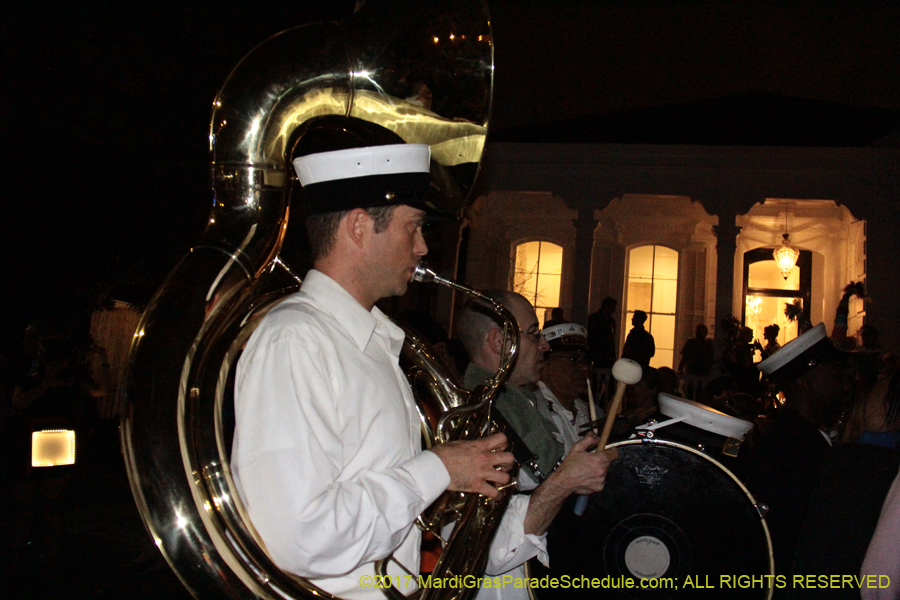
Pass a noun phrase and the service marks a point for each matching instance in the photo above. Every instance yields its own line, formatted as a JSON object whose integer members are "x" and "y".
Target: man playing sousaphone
{"x": 327, "y": 452}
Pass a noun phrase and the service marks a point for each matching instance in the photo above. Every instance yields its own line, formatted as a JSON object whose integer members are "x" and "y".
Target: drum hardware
{"x": 653, "y": 424}
{"x": 647, "y": 430}
{"x": 732, "y": 447}
{"x": 671, "y": 507}
{"x": 668, "y": 510}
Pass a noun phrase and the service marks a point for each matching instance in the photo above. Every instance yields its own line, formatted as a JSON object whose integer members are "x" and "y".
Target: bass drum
{"x": 669, "y": 515}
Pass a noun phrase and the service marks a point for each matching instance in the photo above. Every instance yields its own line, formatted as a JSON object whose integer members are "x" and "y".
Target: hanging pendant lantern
{"x": 786, "y": 256}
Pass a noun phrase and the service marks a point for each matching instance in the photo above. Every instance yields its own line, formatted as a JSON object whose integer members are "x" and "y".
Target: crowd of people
{"x": 542, "y": 405}
{"x": 328, "y": 457}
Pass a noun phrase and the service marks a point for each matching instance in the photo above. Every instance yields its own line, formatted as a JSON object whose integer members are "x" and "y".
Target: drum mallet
{"x": 626, "y": 372}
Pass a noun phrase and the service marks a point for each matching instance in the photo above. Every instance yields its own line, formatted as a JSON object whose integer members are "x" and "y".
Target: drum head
{"x": 669, "y": 515}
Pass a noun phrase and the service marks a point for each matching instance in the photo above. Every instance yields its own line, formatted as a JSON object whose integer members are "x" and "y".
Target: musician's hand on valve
{"x": 477, "y": 465}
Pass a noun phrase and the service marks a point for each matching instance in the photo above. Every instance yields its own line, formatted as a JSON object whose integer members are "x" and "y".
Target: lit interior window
{"x": 653, "y": 288}
{"x": 766, "y": 310}
{"x": 52, "y": 448}
{"x": 538, "y": 275}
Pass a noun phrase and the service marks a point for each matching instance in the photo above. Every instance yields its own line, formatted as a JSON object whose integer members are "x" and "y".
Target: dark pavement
{"x": 106, "y": 553}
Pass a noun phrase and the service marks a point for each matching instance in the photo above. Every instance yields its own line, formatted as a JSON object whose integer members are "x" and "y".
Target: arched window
{"x": 537, "y": 275}
{"x": 767, "y": 292}
{"x": 653, "y": 288}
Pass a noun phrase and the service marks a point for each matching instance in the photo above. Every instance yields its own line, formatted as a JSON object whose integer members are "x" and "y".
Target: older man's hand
{"x": 582, "y": 471}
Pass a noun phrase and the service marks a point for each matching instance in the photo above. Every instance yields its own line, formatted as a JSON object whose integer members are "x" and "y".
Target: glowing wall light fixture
{"x": 52, "y": 448}
{"x": 785, "y": 255}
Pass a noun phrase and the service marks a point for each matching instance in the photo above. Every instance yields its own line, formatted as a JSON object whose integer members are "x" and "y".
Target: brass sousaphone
{"x": 178, "y": 421}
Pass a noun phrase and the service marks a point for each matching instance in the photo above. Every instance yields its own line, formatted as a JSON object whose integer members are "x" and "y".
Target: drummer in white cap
{"x": 814, "y": 376}
{"x": 564, "y": 379}
{"x": 785, "y": 462}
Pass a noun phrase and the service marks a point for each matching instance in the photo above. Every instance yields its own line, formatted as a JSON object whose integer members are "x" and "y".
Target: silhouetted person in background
{"x": 770, "y": 333}
{"x": 557, "y": 317}
{"x": 739, "y": 362}
{"x": 870, "y": 363}
{"x": 639, "y": 345}
{"x": 696, "y": 362}
{"x": 601, "y": 330}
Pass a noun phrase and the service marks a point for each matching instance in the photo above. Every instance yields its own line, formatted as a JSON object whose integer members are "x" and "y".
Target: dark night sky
{"x": 104, "y": 106}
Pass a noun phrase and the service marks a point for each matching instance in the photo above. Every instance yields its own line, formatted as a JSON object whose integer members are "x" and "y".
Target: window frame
{"x": 514, "y": 250}
{"x": 626, "y": 314}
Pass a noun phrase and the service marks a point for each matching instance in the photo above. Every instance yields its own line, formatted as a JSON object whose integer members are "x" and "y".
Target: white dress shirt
{"x": 504, "y": 577}
{"x": 512, "y": 547}
{"x": 327, "y": 452}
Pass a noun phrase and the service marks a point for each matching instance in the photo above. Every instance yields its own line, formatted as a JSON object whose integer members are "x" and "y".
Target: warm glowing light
{"x": 436, "y": 39}
{"x": 754, "y": 306}
{"x": 538, "y": 275}
{"x": 480, "y": 38}
{"x": 652, "y": 280}
{"x": 452, "y": 37}
{"x": 786, "y": 256}
{"x": 181, "y": 522}
{"x": 139, "y": 333}
{"x": 53, "y": 448}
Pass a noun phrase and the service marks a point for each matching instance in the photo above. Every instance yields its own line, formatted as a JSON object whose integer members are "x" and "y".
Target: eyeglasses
{"x": 534, "y": 334}
{"x": 578, "y": 361}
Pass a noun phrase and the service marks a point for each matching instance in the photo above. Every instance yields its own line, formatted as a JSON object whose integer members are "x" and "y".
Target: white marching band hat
{"x": 367, "y": 177}
{"x": 802, "y": 353}
{"x": 392, "y": 159}
{"x": 566, "y": 337}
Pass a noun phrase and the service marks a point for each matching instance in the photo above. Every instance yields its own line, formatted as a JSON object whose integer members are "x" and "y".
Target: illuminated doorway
{"x": 767, "y": 294}
{"x": 538, "y": 275}
{"x": 653, "y": 288}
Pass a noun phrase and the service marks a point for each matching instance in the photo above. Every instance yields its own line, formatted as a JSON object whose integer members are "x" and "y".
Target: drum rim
{"x": 679, "y": 445}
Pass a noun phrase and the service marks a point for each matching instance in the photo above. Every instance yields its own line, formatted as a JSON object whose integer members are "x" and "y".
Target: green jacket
{"x": 519, "y": 407}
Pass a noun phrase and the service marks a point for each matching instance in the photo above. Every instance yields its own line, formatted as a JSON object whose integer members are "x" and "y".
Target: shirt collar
{"x": 329, "y": 296}
{"x": 547, "y": 392}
